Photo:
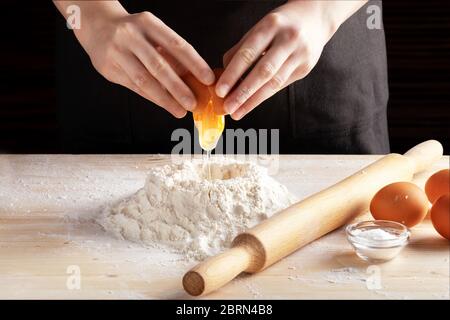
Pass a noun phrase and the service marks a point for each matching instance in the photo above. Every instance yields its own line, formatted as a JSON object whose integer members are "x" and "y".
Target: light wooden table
{"x": 50, "y": 248}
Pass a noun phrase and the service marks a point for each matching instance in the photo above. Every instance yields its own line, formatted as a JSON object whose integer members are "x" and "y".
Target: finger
{"x": 249, "y": 51}
{"x": 174, "y": 63}
{"x": 244, "y": 57}
{"x": 229, "y": 54}
{"x": 163, "y": 72}
{"x": 181, "y": 50}
{"x": 165, "y": 101}
{"x": 302, "y": 71}
{"x": 279, "y": 81}
{"x": 263, "y": 71}
{"x": 135, "y": 77}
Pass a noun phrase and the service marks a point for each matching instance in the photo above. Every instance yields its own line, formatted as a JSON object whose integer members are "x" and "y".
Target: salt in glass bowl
{"x": 377, "y": 241}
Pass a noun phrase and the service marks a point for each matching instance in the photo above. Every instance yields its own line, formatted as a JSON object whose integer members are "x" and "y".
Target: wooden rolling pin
{"x": 308, "y": 220}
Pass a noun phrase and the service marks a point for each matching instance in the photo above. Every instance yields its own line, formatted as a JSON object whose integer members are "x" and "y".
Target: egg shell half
{"x": 204, "y": 93}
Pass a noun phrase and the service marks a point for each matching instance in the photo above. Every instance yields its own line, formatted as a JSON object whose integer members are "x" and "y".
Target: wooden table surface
{"x": 51, "y": 248}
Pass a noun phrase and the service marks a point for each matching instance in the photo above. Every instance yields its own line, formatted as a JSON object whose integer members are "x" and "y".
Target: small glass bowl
{"x": 373, "y": 248}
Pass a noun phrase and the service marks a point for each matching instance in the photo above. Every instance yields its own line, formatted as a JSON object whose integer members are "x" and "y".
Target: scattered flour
{"x": 179, "y": 207}
{"x": 345, "y": 275}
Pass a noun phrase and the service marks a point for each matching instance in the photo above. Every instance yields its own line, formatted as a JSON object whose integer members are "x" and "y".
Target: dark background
{"x": 418, "y": 44}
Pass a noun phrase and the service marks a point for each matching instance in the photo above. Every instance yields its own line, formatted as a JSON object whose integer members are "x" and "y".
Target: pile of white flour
{"x": 180, "y": 208}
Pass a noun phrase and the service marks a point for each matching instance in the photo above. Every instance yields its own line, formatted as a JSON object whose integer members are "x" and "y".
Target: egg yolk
{"x": 209, "y": 125}
{"x": 209, "y": 116}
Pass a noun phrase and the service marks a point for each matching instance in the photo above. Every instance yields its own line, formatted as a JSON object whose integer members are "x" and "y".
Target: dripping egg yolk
{"x": 209, "y": 116}
{"x": 209, "y": 125}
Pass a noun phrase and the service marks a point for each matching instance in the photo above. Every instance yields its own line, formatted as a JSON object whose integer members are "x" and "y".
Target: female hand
{"x": 283, "y": 47}
{"x": 140, "y": 52}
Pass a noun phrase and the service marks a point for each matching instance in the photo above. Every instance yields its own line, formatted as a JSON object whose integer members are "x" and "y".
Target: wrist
{"x": 95, "y": 19}
{"x": 328, "y": 14}
{"x": 316, "y": 12}
{"x": 337, "y": 12}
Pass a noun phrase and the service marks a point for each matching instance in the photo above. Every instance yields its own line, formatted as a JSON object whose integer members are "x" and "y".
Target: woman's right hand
{"x": 140, "y": 52}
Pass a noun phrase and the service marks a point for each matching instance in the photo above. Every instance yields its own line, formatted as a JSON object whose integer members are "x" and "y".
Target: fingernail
{"x": 181, "y": 115}
{"x": 188, "y": 103}
{"x": 230, "y": 107}
{"x": 208, "y": 77}
{"x": 222, "y": 90}
{"x": 237, "y": 115}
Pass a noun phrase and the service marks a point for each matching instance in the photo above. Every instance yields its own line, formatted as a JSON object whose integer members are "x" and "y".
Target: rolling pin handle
{"x": 217, "y": 271}
{"x": 425, "y": 154}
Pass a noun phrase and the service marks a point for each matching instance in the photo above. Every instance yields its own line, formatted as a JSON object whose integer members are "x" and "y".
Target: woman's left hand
{"x": 283, "y": 47}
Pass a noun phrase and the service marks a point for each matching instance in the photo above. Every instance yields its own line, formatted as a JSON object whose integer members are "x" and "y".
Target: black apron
{"x": 340, "y": 107}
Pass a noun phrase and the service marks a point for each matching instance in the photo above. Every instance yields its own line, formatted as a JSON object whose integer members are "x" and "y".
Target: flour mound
{"x": 179, "y": 207}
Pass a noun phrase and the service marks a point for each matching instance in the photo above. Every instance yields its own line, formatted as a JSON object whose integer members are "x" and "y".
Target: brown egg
{"x": 200, "y": 90}
{"x": 437, "y": 185}
{"x": 205, "y": 93}
{"x": 402, "y": 202}
{"x": 440, "y": 216}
